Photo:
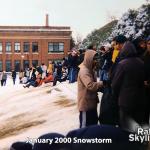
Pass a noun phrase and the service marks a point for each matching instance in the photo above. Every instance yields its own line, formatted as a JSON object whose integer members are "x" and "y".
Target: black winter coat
{"x": 128, "y": 82}
{"x": 14, "y": 74}
{"x": 146, "y": 59}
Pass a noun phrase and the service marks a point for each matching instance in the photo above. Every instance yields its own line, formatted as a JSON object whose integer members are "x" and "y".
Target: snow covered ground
{"x": 31, "y": 112}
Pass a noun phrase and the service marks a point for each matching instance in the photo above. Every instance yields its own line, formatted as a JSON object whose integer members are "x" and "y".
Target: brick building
{"x": 24, "y": 46}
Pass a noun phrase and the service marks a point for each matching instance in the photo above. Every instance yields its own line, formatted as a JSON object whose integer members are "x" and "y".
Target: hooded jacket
{"x": 128, "y": 82}
{"x": 87, "y": 85}
{"x": 146, "y": 59}
{"x": 4, "y": 76}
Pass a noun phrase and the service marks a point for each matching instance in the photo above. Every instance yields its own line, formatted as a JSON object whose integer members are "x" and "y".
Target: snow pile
{"x": 134, "y": 23}
{"x": 31, "y": 112}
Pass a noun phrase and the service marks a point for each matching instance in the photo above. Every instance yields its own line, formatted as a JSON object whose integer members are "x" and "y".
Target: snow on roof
{"x": 34, "y": 28}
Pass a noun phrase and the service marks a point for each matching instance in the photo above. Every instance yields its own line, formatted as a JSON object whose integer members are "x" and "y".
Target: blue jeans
{"x": 103, "y": 75}
{"x": 73, "y": 75}
{"x": 32, "y": 83}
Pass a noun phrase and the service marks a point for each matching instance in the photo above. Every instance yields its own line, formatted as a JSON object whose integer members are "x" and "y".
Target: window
{"x": 50, "y": 47}
{"x": 17, "y": 65}
{"x": 25, "y": 64}
{"x": 1, "y": 47}
{"x": 34, "y": 47}
{"x": 55, "y": 47}
{"x": 8, "y": 47}
{"x": 1, "y": 66}
{"x": 35, "y": 63}
{"x": 8, "y": 66}
{"x": 17, "y": 47}
{"x": 61, "y": 47}
{"x": 26, "y": 47}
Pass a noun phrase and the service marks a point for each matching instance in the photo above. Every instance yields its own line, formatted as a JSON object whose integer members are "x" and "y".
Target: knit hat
{"x": 120, "y": 39}
{"x": 21, "y": 146}
{"x": 48, "y": 146}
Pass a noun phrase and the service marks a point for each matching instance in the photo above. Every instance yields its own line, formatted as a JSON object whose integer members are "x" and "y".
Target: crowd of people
{"x": 121, "y": 71}
{"x": 124, "y": 75}
{"x": 66, "y": 69}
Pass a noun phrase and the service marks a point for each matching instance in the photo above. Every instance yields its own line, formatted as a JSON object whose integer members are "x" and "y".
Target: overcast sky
{"x": 82, "y": 16}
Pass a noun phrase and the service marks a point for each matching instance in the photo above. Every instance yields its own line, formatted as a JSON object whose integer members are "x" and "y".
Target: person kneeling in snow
{"x": 63, "y": 77}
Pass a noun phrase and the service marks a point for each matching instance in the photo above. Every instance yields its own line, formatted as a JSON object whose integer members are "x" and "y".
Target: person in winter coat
{"x": 4, "y": 78}
{"x": 128, "y": 87}
{"x": 44, "y": 70}
{"x": 35, "y": 82}
{"x": 32, "y": 75}
{"x": 63, "y": 77}
{"x": 118, "y": 139}
{"x": 27, "y": 73}
{"x": 14, "y": 76}
{"x": 50, "y": 68}
{"x": 1, "y": 78}
{"x": 48, "y": 79}
{"x": 146, "y": 59}
{"x": 140, "y": 45}
{"x": 21, "y": 75}
{"x": 21, "y": 146}
{"x": 65, "y": 62}
{"x": 58, "y": 70}
{"x": 119, "y": 42}
{"x": 108, "y": 106}
{"x": 73, "y": 65}
{"x": 87, "y": 90}
{"x": 81, "y": 56}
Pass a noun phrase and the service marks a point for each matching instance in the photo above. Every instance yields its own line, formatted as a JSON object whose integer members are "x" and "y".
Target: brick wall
{"x": 43, "y": 38}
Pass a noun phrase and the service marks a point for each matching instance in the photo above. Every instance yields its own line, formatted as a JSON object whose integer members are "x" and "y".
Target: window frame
{"x": 8, "y": 46}
{"x": 7, "y": 70}
{"x": 33, "y": 44}
{"x": 1, "y": 47}
{"x": 28, "y": 45}
{"x": 36, "y": 64}
{"x": 17, "y": 47}
{"x": 24, "y": 66}
{"x": 19, "y": 65}
{"x": 52, "y": 47}
{"x": 1, "y": 65}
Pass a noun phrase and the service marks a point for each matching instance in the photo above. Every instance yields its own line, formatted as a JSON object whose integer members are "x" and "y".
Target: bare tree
{"x": 78, "y": 40}
{"x": 72, "y": 43}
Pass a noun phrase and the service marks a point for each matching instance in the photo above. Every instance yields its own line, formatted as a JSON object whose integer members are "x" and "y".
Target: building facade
{"x": 26, "y": 46}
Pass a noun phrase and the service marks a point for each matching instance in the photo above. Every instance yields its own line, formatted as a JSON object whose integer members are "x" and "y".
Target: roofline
{"x": 35, "y": 27}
